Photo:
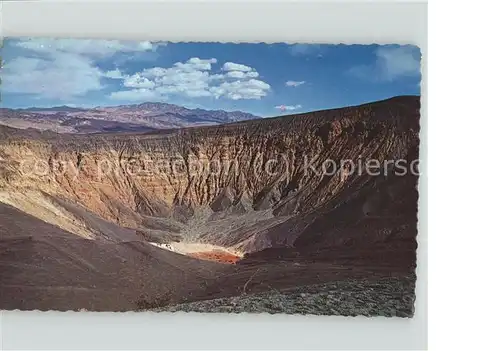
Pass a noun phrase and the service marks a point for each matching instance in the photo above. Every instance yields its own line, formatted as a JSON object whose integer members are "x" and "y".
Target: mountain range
{"x": 142, "y": 117}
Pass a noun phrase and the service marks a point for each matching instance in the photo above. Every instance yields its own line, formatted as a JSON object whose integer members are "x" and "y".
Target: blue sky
{"x": 264, "y": 79}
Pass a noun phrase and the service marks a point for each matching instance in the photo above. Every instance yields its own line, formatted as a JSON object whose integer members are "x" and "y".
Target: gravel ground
{"x": 390, "y": 297}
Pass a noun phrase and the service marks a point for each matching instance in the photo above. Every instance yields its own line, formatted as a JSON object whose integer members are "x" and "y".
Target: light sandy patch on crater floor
{"x": 203, "y": 251}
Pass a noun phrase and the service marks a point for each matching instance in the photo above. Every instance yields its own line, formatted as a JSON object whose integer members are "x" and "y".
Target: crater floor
{"x": 203, "y": 251}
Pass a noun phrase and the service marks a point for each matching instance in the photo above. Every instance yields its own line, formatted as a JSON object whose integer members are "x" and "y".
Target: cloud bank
{"x": 194, "y": 78}
{"x": 65, "y": 69}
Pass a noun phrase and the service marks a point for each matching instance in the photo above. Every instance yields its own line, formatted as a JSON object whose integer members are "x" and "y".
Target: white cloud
{"x": 242, "y": 75}
{"x": 64, "y": 68}
{"x": 288, "y": 108}
{"x": 293, "y": 83}
{"x": 391, "y": 63}
{"x": 251, "y": 89}
{"x": 114, "y": 74}
{"x": 136, "y": 81}
{"x": 196, "y": 63}
{"x": 231, "y": 66}
{"x": 193, "y": 79}
{"x": 239, "y": 71}
{"x": 86, "y": 47}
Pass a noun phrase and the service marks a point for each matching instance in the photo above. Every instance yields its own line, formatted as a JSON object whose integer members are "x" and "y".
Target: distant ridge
{"x": 63, "y": 108}
{"x": 146, "y": 116}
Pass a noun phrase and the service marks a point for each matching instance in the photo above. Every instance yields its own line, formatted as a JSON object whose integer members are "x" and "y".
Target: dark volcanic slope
{"x": 217, "y": 185}
{"x": 43, "y": 267}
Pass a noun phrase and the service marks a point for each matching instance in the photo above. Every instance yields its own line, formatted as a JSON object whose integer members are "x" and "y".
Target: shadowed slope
{"x": 44, "y": 267}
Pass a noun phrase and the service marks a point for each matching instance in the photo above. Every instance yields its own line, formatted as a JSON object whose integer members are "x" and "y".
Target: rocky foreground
{"x": 389, "y": 297}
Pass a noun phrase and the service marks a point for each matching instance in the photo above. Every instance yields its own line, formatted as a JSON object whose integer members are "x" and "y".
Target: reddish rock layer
{"x": 218, "y": 256}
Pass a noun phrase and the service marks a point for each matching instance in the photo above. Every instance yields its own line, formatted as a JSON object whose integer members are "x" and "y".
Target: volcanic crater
{"x": 109, "y": 222}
